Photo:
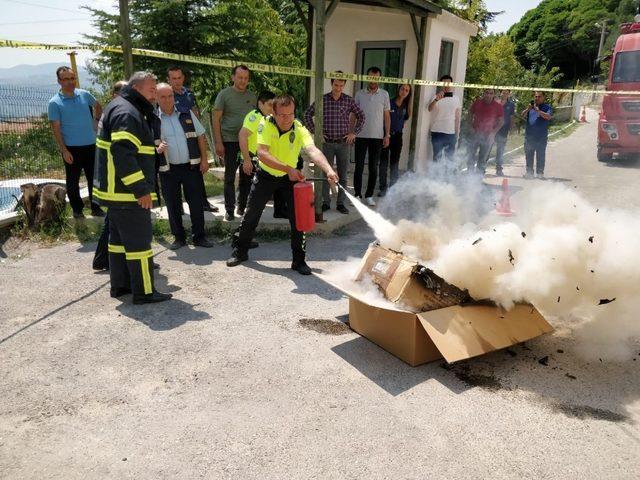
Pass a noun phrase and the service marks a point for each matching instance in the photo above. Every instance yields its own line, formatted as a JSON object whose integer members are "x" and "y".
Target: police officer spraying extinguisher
{"x": 248, "y": 140}
{"x": 281, "y": 139}
{"x": 125, "y": 183}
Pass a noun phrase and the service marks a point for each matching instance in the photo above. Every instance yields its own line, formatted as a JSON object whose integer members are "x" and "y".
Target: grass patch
{"x": 222, "y": 231}
{"x": 161, "y": 230}
{"x": 516, "y": 139}
{"x": 342, "y": 231}
{"x": 273, "y": 235}
{"x": 217, "y": 230}
{"x": 213, "y": 185}
{"x": 572, "y": 127}
{"x": 60, "y": 230}
{"x": 87, "y": 231}
{"x": 30, "y": 152}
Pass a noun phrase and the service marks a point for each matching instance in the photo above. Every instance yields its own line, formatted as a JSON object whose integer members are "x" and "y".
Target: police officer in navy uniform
{"x": 182, "y": 164}
{"x": 281, "y": 139}
{"x": 185, "y": 101}
{"x": 125, "y": 183}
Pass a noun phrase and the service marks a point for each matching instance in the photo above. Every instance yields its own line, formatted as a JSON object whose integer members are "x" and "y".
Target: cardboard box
{"x": 406, "y": 282}
{"x": 455, "y": 332}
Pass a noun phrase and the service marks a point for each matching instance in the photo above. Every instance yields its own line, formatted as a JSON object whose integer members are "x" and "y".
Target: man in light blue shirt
{"x": 71, "y": 115}
{"x": 184, "y": 145}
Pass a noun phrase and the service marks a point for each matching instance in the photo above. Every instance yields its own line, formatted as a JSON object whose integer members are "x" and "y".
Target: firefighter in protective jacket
{"x": 125, "y": 182}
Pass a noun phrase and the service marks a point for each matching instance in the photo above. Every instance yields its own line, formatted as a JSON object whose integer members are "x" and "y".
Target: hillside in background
{"x": 566, "y": 34}
{"x": 43, "y": 75}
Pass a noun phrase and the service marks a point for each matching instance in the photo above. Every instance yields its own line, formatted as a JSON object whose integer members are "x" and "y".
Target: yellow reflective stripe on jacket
{"x": 134, "y": 177}
{"x": 102, "y": 143}
{"x": 122, "y": 135}
{"x": 116, "y": 248}
{"x": 139, "y": 255}
{"x": 111, "y": 173}
{"x": 147, "y": 150}
{"x": 143, "y": 149}
{"x": 119, "y": 197}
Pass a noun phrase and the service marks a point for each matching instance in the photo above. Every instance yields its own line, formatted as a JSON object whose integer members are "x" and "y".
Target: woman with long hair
{"x": 401, "y": 109}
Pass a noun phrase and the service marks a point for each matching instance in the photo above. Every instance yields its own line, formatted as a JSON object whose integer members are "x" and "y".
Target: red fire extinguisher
{"x": 304, "y": 206}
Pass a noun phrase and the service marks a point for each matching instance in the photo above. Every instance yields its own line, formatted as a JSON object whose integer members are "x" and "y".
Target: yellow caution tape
{"x": 300, "y": 72}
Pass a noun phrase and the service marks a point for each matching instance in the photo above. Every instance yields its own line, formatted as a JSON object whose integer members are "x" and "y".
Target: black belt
{"x": 181, "y": 166}
{"x": 336, "y": 140}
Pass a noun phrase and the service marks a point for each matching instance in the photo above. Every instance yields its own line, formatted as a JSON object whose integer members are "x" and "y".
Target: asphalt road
{"x": 572, "y": 161}
{"x": 250, "y": 373}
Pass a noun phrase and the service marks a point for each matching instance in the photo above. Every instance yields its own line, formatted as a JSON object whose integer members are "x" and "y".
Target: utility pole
{"x": 603, "y": 32}
{"x": 74, "y": 66}
{"x": 125, "y": 32}
{"x": 320, "y": 24}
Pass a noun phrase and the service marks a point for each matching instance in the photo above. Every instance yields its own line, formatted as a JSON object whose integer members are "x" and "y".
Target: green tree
{"x": 226, "y": 29}
{"x": 492, "y": 61}
{"x": 564, "y": 34}
{"x": 475, "y": 11}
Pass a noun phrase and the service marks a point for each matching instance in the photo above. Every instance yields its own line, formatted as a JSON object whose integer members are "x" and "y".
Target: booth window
{"x": 446, "y": 58}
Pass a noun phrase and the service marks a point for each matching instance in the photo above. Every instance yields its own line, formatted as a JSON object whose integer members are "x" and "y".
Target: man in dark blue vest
{"x": 185, "y": 101}
{"x": 185, "y": 160}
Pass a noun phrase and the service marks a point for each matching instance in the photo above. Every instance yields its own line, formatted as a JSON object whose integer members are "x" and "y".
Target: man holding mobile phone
{"x": 537, "y": 116}
{"x": 445, "y": 121}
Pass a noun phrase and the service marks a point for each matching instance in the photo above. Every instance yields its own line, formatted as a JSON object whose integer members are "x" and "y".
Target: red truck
{"x": 619, "y": 122}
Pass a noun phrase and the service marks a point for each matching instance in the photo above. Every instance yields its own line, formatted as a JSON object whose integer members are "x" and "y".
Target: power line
{"x": 39, "y": 5}
{"x": 83, "y": 19}
{"x": 40, "y": 35}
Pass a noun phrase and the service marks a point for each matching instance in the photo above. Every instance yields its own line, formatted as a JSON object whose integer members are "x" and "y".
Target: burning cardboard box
{"x": 430, "y": 318}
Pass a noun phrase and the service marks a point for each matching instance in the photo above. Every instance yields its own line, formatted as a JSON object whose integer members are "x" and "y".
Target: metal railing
{"x": 28, "y": 152}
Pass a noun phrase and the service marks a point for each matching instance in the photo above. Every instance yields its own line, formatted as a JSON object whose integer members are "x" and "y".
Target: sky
{"x": 513, "y": 11}
{"x": 47, "y": 21}
{"x": 63, "y": 21}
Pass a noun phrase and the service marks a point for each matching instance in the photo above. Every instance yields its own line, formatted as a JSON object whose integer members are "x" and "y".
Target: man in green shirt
{"x": 281, "y": 139}
{"x": 231, "y": 106}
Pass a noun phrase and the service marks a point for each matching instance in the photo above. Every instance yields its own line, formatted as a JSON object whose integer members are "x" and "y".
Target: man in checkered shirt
{"x": 338, "y": 135}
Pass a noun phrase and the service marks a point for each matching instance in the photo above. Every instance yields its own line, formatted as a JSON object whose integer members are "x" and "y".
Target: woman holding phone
{"x": 401, "y": 109}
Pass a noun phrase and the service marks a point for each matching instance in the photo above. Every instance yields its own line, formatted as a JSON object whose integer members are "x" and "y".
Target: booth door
{"x": 388, "y": 56}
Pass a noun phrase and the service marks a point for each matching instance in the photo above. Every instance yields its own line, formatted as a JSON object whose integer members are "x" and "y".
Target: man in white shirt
{"x": 445, "y": 121}
{"x": 375, "y": 134}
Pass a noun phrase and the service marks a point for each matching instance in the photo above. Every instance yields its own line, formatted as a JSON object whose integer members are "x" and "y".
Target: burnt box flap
{"x": 405, "y": 281}
{"x": 461, "y": 332}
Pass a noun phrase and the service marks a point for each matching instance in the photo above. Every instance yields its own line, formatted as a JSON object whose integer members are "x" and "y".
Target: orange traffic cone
{"x": 503, "y": 207}
{"x": 583, "y": 114}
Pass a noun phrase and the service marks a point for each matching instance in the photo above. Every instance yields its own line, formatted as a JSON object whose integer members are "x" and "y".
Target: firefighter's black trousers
{"x": 130, "y": 254}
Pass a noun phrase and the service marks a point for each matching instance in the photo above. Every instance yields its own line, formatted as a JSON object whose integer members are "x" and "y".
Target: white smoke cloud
{"x": 343, "y": 275}
{"x": 559, "y": 252}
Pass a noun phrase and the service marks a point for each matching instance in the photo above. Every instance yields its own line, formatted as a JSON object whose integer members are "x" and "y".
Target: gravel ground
{"x": 251, "y": 373}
